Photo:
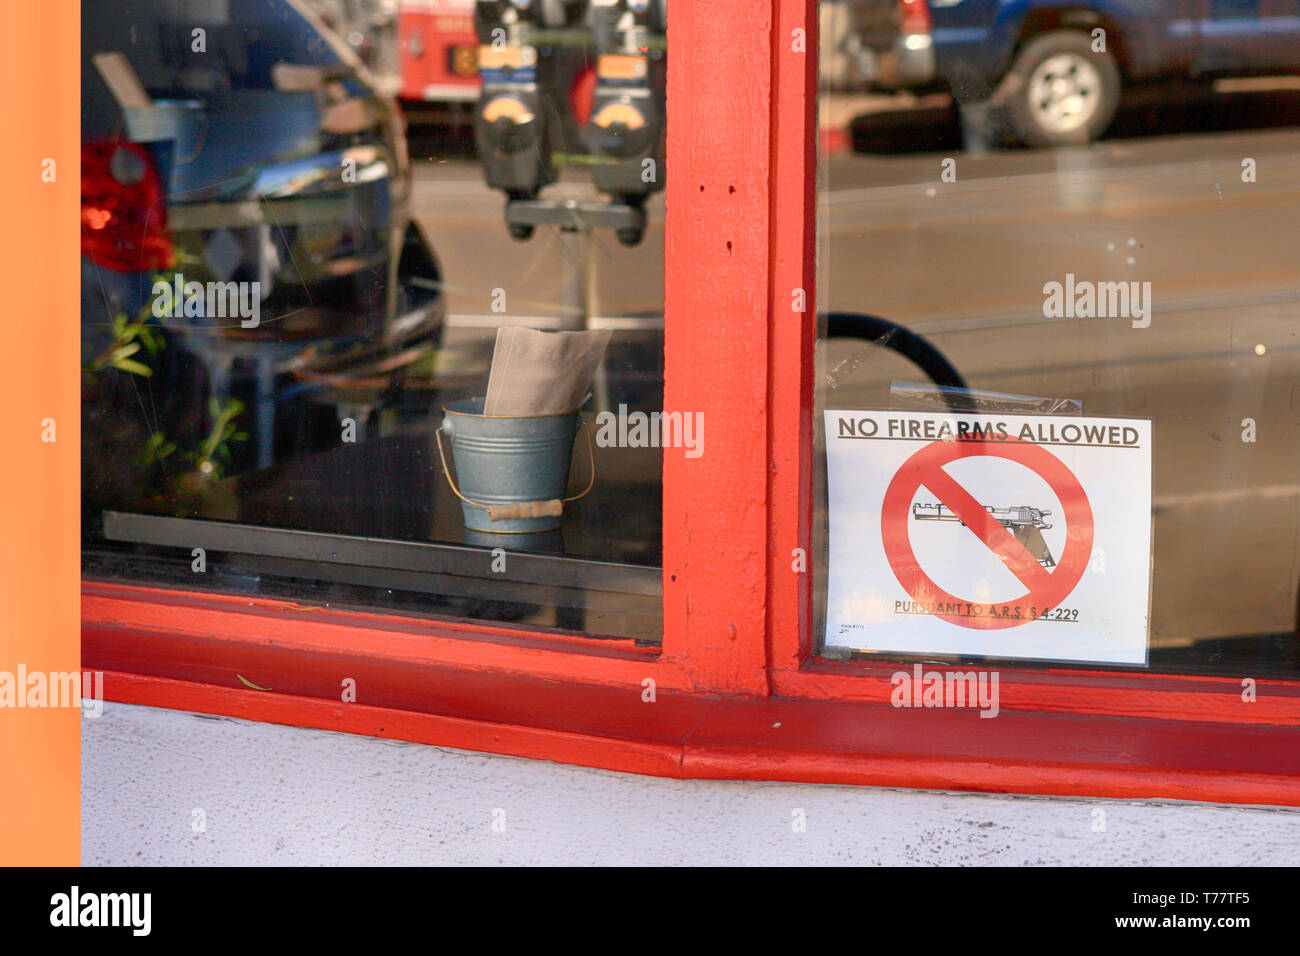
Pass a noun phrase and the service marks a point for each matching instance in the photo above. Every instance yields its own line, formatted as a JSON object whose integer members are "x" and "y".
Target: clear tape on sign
{"x": 927, "y": 397}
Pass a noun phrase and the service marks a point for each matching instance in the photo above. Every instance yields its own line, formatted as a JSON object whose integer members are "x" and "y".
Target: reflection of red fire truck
{"x": 437, "y": 51}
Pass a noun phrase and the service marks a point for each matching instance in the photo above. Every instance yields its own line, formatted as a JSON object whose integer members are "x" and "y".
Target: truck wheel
{"x": 1059, "y": 92}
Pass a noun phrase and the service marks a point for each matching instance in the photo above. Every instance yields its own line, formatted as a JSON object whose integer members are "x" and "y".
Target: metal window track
{"x": 383, "y": 553}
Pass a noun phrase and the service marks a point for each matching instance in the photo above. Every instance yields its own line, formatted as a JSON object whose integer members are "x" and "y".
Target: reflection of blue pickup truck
{"x": 1053, "y": 70}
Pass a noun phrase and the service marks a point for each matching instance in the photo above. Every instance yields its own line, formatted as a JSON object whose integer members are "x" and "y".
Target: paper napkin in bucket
{"x": 542, "y": 373}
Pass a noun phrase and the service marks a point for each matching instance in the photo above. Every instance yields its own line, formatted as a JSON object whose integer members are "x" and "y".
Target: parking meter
{"x": 522, "y": 109}
{"x": 626, "y": 130}
{"x": 512, "y": 131}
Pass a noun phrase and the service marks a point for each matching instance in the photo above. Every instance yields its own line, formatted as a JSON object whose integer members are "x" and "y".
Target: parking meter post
{"x": 575, "y": 245}
{"x": 977, "y": 132}
{"x": 590, "y": 278}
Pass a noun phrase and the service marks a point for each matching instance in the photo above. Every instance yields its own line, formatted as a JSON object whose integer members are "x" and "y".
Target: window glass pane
{"x": 1086, "y": 227}
{"x": 301, "y": 234}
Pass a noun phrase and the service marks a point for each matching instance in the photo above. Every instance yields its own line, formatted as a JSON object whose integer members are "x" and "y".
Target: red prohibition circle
{"x": 1047, "y": 589}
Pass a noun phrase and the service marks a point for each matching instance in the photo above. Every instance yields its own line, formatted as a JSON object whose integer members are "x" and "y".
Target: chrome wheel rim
{"x": 1064, "y": 92}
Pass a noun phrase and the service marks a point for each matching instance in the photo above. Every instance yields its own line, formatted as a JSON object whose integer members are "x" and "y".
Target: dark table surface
{"x": 391, "y": 486}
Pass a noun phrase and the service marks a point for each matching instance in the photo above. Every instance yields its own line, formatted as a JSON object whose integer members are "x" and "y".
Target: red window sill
{"x": 576, "y": 701}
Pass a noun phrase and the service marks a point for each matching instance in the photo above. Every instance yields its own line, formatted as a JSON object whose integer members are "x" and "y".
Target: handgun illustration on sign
{"x": 1025, "y": 523}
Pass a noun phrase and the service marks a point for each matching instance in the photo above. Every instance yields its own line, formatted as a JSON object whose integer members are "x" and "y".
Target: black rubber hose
{"x": 890, "y": 335}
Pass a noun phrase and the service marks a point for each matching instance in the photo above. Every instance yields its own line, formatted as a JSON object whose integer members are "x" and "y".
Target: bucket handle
{"x": 523, "y": 509}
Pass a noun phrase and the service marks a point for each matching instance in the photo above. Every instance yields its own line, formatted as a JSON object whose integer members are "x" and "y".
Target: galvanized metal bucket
{"x": 511, "y": 471}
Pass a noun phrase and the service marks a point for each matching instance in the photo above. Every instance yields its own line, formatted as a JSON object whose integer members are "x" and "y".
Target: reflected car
{"x": 1053, "y": 72}
{"x": 240, "y": 148}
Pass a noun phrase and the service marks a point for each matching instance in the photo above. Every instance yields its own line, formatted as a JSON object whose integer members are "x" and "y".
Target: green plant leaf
{"x": 134, "y": 367}
{"x": 123, "y": 351}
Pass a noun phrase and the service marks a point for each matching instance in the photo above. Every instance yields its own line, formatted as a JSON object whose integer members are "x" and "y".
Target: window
{"x": 282, "y": 296}
{"x": 1060, "y": 245}
{"x": 742, "y": 685}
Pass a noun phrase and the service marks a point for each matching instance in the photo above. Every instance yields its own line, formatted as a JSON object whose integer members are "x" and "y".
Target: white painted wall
{"x": 283, "y": 795}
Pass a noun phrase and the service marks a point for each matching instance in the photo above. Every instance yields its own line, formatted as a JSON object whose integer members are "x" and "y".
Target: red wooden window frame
{"x": 738, "y": 692}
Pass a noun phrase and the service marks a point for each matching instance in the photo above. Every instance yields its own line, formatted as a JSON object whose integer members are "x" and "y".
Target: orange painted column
{"x": 40, "y": 429}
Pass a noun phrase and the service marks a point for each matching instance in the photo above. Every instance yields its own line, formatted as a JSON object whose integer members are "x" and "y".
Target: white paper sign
{"x": 1019, "y": 536}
